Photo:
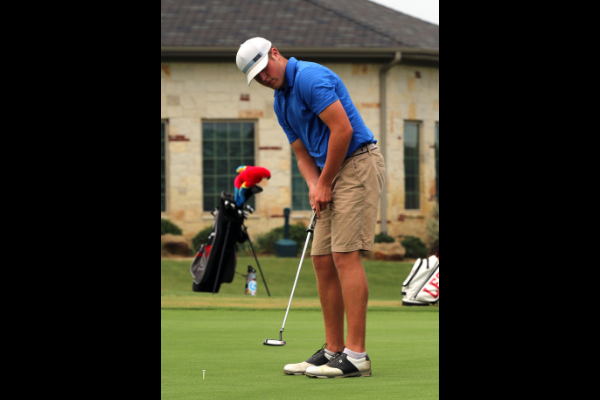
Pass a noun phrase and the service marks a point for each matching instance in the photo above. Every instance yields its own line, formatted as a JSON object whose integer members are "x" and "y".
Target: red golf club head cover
{"x": 247, "y": 178}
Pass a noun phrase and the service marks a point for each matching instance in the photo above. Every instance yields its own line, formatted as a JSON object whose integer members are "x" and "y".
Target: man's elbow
{"x": 345, "y": 131}
{"x": 349, "y": 132}
{"x": 342, "y": 133}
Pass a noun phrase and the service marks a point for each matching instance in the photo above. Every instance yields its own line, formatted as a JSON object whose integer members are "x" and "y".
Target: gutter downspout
{"x": 383, "y": 130}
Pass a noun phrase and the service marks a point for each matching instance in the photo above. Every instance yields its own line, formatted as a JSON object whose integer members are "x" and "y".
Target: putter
{"x": 311, "y": 229}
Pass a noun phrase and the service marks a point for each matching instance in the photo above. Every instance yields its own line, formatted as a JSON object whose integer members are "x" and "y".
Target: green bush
{"x": 266, "y": 242}
{"x": 167, "y": 227}
{"x": 383, "y": 238}
{"x": 415, "y": 248}
{"x": 201, "y": 238}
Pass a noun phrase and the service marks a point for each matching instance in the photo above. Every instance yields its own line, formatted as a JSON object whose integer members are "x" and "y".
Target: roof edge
{"x": 217, "y": 54}
{"x": 366, "y": 50}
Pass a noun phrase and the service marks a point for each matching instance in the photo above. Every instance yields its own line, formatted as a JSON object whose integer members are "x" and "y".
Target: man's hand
{"x": 320, "y": 197}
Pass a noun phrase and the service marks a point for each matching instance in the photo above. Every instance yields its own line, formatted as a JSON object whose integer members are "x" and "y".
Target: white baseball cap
{"x": 252, "y": 57}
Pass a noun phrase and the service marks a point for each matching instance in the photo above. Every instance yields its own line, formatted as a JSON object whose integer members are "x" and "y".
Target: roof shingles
{"x": 292, "y": 23}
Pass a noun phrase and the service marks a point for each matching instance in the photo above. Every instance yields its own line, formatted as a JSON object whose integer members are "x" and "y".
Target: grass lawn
{"x": 385, "y": 285}
{"x": 223, "y": 335}
{"x": 403, "y": 347}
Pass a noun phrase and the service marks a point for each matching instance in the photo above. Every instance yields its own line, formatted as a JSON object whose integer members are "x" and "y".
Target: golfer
{"x": 345, "y": 172}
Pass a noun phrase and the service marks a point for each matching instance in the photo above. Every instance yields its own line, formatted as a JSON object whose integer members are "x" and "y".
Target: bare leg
{"x": 332, "y": 302}
{"x": 356, "y": 296}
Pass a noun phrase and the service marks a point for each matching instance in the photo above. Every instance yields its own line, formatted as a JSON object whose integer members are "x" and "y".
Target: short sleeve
{"x": 317, "y": 88}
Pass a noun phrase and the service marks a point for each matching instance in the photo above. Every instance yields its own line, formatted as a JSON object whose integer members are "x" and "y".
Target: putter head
{"x": 273, "y": 342}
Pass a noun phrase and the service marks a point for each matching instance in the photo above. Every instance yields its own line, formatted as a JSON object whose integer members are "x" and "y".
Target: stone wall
{"x": 193, "y": 92}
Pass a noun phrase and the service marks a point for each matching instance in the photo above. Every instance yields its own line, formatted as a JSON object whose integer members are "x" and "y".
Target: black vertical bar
{"x": 221, "y": 260}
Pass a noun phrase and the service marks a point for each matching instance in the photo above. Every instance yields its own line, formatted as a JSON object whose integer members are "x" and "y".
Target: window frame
{"x": 256, "y": 153}
{"x": 420, "y": 144}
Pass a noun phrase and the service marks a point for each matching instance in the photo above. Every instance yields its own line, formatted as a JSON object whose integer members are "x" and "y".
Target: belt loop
{"x": 369, "y": 148}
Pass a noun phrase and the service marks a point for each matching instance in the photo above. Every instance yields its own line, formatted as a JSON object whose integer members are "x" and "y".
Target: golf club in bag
{"x": 216, "y": 260}
{"x": 311, "y": 229}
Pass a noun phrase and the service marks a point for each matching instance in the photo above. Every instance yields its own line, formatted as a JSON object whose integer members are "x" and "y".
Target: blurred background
{"x": 387, "y": 54}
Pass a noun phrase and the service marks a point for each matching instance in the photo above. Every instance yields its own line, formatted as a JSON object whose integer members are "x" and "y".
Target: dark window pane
{"x": 233, "y": 165}
{"x": 209, "y": 184}
{"x": 235, "y": 131}
{"x": 248, "y": 131}
{"x": 208, "y": 166}
{"x": 411, "y": 166}
{"x": 208, "y": 149}
{"x": 223, "y": 183}
{"x": 248, "y": 149}
{"x": 209, "y": 203}
{"x": 298, "y": 182}
{"x": 300, "y": 200}
{"x": 232, "y": 147}
{"x": 208, "y": 131}
{"x": 221, "y": 130}
{"x": 221, "y": 148}
{"x": 235, "y": 149}
{"x": 222, "y": 167}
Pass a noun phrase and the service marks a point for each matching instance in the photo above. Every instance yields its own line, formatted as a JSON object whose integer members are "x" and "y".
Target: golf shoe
{"x": 319, "y": 358}
{"x": 341, "y": 366}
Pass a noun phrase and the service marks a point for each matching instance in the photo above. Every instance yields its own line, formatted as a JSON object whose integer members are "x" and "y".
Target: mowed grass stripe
{"x": 404, "y": 348}
{"x": 385, "y": 285}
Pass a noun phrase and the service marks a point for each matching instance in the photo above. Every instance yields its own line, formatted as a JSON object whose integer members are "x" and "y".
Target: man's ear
{"x": 275, "y": 53}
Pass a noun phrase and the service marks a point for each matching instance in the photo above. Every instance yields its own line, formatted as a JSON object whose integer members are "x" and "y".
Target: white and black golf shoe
{"x": 342, "y": 366}
{"x": 319, "y": 358}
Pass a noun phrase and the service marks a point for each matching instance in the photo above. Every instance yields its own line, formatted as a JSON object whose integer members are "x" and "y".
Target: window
{"x": 225, "y": 147}
{"x": 163, "y": 182}
{"x": 411, "y": 166}
{"x": 300, "y": 200}
{"x": 437, "y": 161}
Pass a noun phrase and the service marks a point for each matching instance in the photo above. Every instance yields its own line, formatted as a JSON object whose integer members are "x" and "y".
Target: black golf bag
{"x": 216, "y": 260}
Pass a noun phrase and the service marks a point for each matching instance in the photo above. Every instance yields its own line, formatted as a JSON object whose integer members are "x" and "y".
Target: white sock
{"x": 331, "y": 353}
{"x": 356, "y": 356}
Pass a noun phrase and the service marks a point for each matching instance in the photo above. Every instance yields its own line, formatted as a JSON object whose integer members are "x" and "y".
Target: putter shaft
{"x": 294, "y": 289}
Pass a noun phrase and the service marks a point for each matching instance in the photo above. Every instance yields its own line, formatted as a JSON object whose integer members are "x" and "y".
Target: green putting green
{"x": 227, "y": 344}
{"x": 223, "y": 335}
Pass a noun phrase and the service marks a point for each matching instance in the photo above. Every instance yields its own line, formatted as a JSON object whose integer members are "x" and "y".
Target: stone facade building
{"x": 212, "y": 122}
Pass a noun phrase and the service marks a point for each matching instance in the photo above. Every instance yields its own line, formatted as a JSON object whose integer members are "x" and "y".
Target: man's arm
{"x": 337, "y": 121}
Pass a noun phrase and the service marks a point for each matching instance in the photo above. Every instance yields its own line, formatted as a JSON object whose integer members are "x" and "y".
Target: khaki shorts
{"x": 350, "y": 221}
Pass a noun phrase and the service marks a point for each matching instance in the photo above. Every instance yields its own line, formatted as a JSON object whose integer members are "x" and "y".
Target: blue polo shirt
{"x": 310, "y": 89}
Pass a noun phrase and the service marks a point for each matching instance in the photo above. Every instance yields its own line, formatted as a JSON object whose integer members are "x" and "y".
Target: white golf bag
{"x": 422, "y": 287}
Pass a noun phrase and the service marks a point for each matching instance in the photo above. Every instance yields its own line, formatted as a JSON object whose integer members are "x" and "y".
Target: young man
{"x": 345, "y": 172}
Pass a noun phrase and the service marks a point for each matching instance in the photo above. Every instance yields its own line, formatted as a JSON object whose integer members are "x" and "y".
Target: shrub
{"x": 201, "y": 238}
{"x": 266, "y": 242}
{"x": 383, "y": 238}
{"x": 167, "y": 227}
{"x": 415, "y": 248}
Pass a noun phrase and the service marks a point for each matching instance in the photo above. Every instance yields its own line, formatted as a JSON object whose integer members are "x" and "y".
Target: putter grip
{"x": 312, "y": 223}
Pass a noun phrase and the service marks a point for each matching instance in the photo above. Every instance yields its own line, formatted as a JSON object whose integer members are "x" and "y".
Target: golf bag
{"x": 216, "y": 260}
{"x": 422, "y": 287}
